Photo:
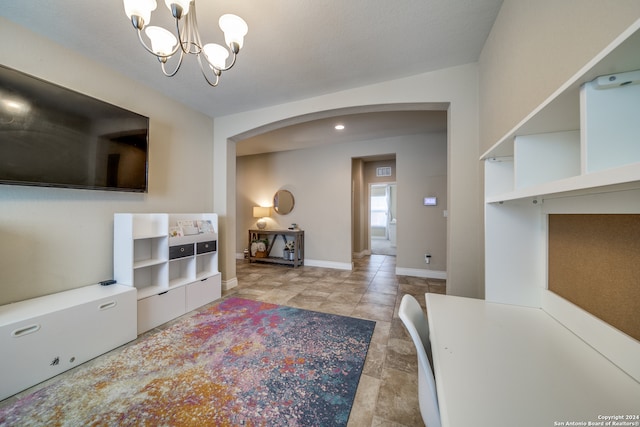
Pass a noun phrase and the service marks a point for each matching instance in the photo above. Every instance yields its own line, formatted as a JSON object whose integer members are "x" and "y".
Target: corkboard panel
{"x": 594, "y": 262}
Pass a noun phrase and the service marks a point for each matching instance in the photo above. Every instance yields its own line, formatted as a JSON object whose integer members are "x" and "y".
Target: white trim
{"x": 361, "y": 254}
{"x": 418, "y": 272}
{"x": 229, "y": 284}
{"x": 328, "y": 264}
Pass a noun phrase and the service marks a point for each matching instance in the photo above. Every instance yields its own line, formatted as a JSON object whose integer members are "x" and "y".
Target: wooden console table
{"x": 272, "y": 235}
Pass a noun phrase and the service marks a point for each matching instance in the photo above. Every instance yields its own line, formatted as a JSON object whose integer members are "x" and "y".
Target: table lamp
{"x": 261, "y": 212}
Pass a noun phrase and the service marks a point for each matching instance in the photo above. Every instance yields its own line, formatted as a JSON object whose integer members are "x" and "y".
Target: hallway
{"x": 382, "y": 247}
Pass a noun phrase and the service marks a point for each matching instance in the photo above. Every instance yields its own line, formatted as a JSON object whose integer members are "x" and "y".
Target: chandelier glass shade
{"x": 165, "y": 45}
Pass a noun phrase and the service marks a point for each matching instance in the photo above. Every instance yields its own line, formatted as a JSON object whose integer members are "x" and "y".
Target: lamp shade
{"x": 217, "y": 56}
{"x": 184, "y": 4}
{"x": 234, "y": 29}
{"x": 142, "y": 8}
{"x": 261, "y": 212}
{"x": 162, "y": 41}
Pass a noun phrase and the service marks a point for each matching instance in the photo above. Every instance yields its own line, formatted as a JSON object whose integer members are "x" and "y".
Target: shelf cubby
{"x": 153, "y": 276}
{"x": 149, "y": 251}
{"x": 148, "y": 225}
{"x": 181, "y": 271}
{"x": 205, "y": 265}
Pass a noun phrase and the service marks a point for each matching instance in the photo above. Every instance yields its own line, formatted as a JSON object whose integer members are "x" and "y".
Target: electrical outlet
{"x": 427, "y": 258}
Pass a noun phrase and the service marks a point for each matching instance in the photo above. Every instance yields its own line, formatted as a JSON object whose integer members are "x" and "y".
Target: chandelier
{"x": 165, "y": 45}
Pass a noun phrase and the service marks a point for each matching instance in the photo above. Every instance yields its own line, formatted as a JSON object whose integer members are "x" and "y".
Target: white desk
{"x": 504, "y": 365}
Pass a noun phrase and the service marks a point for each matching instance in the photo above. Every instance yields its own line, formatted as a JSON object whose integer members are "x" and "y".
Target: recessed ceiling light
{"x": 339, "y": 127}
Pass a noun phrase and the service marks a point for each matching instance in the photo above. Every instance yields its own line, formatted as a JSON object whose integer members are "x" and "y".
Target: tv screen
{"x": 54, "y": 137}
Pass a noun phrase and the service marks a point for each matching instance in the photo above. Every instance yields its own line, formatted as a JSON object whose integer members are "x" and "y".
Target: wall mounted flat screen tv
{"x": 54, "y": 137}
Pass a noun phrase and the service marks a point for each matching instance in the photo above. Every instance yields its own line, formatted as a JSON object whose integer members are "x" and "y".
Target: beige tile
{"x": 401, "y": 355}
{"x": 386, "y": 286}
{"x": 373, "y": 311}
{"x": 345, "y": 296}
{"x": 364, "y": 402}
{"x": 313, "y": 293}
{"x": 340, "y": 308}
{"x": 416, "y": 289}
{"x": 355, "y": 285}
{"x": 397, "y": 330}
{"x": 381, "y": 422}
{"x": 398, "y": 398}
{"x": 381, "y": 332}
{"x": 277, "y": 296}
{"x": 249, "y": 293}
{"x": 375, "y": 360}
{"x": 304, "y": 279}
{"x": 379, "y": 298}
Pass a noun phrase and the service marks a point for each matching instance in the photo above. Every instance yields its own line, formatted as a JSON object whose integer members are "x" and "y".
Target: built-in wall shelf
{"x": 577, "y": 153}
{"x": 618, "y": 179}
{"x": 561, "y": 111}
{"x": 583, "y": 137}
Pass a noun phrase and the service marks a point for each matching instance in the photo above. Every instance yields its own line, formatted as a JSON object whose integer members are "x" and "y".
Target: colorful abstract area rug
{"x": 239, "y": 363}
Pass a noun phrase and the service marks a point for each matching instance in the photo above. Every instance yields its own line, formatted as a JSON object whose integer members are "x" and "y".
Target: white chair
{"x": 416, "y": 323}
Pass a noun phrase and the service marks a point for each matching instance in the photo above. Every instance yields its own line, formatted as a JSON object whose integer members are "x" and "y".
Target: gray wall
{"x": 54, "y": 239}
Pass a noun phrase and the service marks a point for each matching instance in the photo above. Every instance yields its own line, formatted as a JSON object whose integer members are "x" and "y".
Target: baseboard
{"x": 413, "y": 272}
{"x": 328, "y": 264}
{"x": 418, "y": 272}
{"x": 362, "y": 254}
{"x": 229, "y": 284}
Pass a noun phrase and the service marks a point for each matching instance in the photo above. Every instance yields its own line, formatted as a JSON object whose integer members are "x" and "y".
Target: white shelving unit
{"x": 578, "y": 152}
{"x": 174, "y": 269}
{"x": 580, "y": 138}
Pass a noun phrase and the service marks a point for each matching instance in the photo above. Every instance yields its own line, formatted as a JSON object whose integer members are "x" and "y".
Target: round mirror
{"x": 283, "y": 202}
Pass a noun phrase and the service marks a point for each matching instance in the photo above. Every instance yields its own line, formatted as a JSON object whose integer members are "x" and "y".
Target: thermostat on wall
{"x": 430, "y": 201}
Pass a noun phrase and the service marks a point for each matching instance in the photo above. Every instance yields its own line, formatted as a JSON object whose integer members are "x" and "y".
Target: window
{"x": 379, "y": 206}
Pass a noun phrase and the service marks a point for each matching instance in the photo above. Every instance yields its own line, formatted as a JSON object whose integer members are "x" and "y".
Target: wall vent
{"x": 386, "y": 171}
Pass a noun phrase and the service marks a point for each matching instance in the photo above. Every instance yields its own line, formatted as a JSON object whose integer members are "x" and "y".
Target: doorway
{"x": 383, "y": 218}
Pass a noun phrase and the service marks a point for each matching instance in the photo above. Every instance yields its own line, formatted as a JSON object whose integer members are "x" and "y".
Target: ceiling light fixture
{"x": 165, "y": 45}
{"x": 339, "y": 127}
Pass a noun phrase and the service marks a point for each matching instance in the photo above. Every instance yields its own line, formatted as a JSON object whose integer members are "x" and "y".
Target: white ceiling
{"x": 294, "y": 49}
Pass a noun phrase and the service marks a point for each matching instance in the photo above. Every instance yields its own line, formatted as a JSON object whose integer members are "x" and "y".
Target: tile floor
{"x": 387, "y": 394}
{"x": 388, "y": 390}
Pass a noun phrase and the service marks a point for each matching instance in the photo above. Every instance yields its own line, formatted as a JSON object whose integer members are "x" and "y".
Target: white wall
{"x": 320, "y": 180}
{"x": 57, "y": 239}
{"x": 456, "y": 86}
{"x": 536, "y": 46}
